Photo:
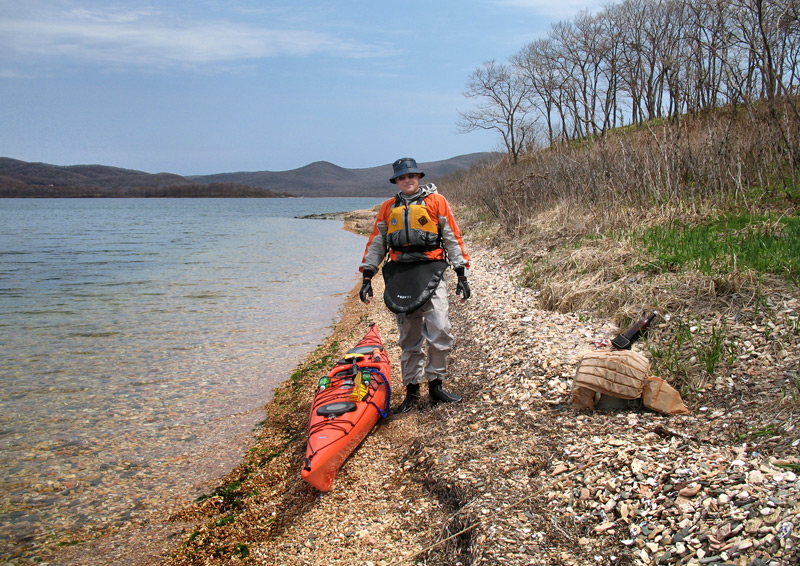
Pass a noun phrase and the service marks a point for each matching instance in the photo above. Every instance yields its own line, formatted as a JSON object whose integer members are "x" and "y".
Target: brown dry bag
{"x": 622, "y": 374}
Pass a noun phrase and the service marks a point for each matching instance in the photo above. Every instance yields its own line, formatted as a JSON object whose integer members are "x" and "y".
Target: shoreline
{"x": 512, "y": 474}
{"x": 149, "y": 540}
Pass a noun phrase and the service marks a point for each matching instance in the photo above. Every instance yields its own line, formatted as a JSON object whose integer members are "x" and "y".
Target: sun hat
{"x": 404, "y": 166}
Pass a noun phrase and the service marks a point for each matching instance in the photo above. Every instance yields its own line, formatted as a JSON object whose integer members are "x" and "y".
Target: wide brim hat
{"x": 404, "y": 166}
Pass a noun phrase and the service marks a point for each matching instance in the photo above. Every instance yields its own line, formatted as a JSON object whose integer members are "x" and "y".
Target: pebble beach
{"x": 513, "y": 475}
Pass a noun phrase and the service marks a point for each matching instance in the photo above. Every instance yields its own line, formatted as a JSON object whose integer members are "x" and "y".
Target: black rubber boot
{"x": 440, "y": 395}
{"x": 412, "y": 396}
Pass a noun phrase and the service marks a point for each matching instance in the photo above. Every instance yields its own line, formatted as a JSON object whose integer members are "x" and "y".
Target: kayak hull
{"x": 339, "y": 423}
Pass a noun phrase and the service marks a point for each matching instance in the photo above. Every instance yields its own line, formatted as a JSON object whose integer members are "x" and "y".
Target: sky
{"x": 197, "y": 87}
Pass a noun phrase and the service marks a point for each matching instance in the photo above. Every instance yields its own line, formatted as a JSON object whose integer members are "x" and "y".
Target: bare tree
{"x": 751, "y": 31}
{"x": 632, "y": 71}
{"x": 673, "y": 56}
{"x": 707, "y": 46}
{"x": 640, "y": 60}
{"x": 568, "y": 67}
{"x": 611, "y": 65}
{"x": 505, "y": 105}
{"x": 537, "y": 61}
{"x": 789, "y": 25}
{"x": 587, "y": 52}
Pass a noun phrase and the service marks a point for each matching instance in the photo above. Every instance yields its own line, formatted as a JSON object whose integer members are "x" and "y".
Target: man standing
{"x": 418, "y": 231}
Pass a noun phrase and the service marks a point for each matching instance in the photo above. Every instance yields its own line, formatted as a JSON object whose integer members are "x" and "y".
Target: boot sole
{"x": 435, "y": 400}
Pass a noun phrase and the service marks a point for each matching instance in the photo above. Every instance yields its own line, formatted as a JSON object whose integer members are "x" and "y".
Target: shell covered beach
{"x": 513, "y": 475}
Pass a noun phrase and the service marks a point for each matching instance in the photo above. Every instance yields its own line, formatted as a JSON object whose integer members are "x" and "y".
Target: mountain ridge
{"x": 317, "y": 179}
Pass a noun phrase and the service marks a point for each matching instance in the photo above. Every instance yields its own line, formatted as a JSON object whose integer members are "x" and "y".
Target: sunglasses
{"x": 408, "y": 176}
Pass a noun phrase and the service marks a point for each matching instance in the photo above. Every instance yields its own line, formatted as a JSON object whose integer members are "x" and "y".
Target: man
{"x": 418, "y": 231}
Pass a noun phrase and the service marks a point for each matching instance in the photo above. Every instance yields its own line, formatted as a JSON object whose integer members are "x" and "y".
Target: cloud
{"x": 564, "y": 9}
{"x": 148, "y": 38}
{"x": 10, "y": 73}
{"x": 111, "y": 16}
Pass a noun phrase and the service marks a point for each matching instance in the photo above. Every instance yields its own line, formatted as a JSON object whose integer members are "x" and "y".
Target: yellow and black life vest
{"x": 410, "y": 229}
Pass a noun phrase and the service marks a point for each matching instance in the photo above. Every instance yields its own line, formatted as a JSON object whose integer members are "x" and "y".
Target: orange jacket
{"x": 421, "y": 227}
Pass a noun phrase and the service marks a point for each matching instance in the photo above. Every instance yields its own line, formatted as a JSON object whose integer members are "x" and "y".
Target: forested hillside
{"x": 638, "y": 61}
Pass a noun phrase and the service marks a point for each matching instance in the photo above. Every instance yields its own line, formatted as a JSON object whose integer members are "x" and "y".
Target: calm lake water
{"x": 140, "y": 339}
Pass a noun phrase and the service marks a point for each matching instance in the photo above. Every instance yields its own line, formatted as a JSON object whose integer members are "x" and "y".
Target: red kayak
{"x": 348, "y": 403}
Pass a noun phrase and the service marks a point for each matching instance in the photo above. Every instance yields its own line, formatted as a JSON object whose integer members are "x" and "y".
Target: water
{"x": 139, "y": 338}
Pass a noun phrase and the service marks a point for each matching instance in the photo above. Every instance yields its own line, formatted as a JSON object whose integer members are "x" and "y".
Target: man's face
{"x": 409, "y": 184}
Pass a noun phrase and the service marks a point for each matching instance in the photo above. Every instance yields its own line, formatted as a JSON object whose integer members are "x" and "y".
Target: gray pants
{"x": 430, "y": 323}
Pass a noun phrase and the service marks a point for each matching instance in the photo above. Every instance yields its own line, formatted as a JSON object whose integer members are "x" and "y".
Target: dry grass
{"x": 707, "y": 320}
{"x": 657, "y": 173}
{"x": 570, "y": 215}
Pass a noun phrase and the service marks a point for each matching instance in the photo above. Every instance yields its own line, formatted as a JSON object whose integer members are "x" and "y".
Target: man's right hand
{"x": 366, "y": 290}
{"x": 366, "y": 286}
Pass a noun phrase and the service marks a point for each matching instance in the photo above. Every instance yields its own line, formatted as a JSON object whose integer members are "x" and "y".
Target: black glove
{"x": 366, "y": 286}
{"x": 463, "y": 286}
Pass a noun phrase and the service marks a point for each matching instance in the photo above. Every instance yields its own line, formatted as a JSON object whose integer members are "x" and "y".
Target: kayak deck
{"x": 339, "y": 419}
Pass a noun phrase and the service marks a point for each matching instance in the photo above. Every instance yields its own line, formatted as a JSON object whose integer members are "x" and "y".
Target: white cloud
{"x": 111, "y": 16}
{"x": 563, "y": 9}
{"x": 10, "y": 73}
{"x": 150, "y": 39}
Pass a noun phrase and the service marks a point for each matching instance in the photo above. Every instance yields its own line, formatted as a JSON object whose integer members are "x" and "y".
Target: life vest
{"x": 410, "y": 228}
{"x": 422, "y": 228}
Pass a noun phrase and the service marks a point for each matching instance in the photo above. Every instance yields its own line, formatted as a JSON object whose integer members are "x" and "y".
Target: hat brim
{"x": 393, "y": 180}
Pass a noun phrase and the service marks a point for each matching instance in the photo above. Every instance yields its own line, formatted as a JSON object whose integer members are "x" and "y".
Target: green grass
{"x": 792, "y": 467}
{"x": 224, "y": 491}
{"x": 226, "y": 520}
{"x": 768, "y": 430}
{"x": 711, "y": 352}
{"x": 669, "y": 360}
{"x": 766, "y": 244}
{"x": 792, "y": 392}
{"x": 320, "y": 364}
{"x": 241, "y": 550}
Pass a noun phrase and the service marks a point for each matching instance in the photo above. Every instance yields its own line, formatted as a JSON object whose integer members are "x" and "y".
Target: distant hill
{"x": 323, "y": 179}
{"x": 320, "y": 179}
{"x": 24, "y": 179}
